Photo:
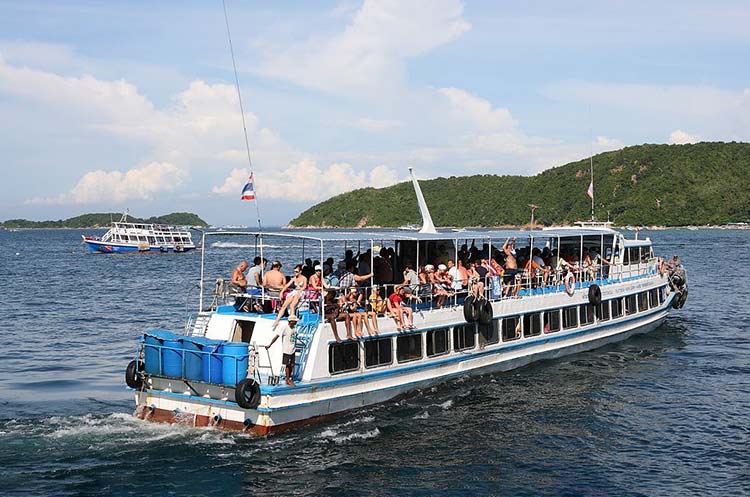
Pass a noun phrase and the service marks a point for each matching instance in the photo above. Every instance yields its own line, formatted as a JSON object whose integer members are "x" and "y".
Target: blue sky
{"x": 107, "y": 106}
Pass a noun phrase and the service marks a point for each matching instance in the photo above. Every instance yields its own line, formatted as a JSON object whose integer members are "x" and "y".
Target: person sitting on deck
{"x": 458, "y": 275}
{"x": 255, "y": 275}
{"x": 597, "y": 262}
{"x": 402, "y": 313}
{"x": 350, "y": 305}
{"x": 438, "y": 290}
{"x": 299, "y": 282}
{"x": 476, "y": 282}
{"x": 274, "y": 280}
{"x": 411, "y": 279}
{"x": 238, "y": 283}
{"x": 288, "y": 345}
{"x": 332, "y": 310}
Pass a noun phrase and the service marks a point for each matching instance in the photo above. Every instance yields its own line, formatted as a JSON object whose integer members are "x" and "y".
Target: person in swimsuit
{"x": 512, "y": 274}
{"x": 298, "y": 283}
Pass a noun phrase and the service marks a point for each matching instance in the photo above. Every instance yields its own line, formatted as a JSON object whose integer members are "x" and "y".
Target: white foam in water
{"x": 361, "y": 436}
{"x": 423, "y": 415}
{"x": 446, "y": 405}
{"x": 245, "y": 245}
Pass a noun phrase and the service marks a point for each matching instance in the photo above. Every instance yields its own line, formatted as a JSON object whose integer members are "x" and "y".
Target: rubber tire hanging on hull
{"x": 471, "y": 309}
{"x": 595, "y": 295}
{"x": 679, "y": 299}
{"x": 247, "y": 393}
{"x": 133, "y": 377}
{"x": 485, "y": 312}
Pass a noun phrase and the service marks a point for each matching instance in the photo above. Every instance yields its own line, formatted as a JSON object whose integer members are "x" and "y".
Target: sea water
{"x": 661, "y": 414}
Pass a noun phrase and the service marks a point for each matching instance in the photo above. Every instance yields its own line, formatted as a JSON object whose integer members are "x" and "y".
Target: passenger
{"x": 363, "y": 264}
{"x": 457, "y": 281}
{"x": 512, "y": 276}
{"x": 288, "y": 345}
{"x": 255, "y": 275}
{"x": 410, "y": 277}
{"x": 298, "y": 284}
{"x": 375, "y": 307}
{"x": 382, "y": 268}
{"x": 309, "y": 268}
{"x": 238, "y": 282}
{"x": 274, "y": 280}
{"x": 597, "y": 262}
{"x": 438, "y": 285}
{"x": 476, "y": 282}
{"x": 402, "y": 313}
{"x": 346, "y": 276}
{"x": 331, "y": 310}
{"x": 349, "y": 302}
{"x": 315, "y": 285}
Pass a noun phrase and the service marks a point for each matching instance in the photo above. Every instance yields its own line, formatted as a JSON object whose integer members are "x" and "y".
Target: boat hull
{"x": 100, "y": 247}
{"x": 290, "y": 408}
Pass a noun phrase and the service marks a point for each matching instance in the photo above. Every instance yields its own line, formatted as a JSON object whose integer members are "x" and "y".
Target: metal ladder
{"x": 199, "y": 326}
{"x": 305, "y": 332}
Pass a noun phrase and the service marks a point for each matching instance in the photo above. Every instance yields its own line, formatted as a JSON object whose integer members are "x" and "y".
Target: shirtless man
{"x": 238, "y": 283}
{"x": 511, "y": 267}
{"x": 274, "y": 280}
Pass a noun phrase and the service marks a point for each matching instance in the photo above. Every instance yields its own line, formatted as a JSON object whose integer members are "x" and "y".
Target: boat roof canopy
{"x": 379, "y": 236}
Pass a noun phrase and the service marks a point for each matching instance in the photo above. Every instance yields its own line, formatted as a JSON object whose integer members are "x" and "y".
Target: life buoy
{"x": 471, "y": 309}
{"x": 485, "y": 313}
{"x": 247, "y": 393}
{"x": 570, "y": 286}
{"x": 595, "y": 295}
{"x": 133, "y": 377}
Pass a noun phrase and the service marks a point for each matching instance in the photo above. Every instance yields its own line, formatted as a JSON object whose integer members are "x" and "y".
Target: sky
{"x": 107, "y": 106}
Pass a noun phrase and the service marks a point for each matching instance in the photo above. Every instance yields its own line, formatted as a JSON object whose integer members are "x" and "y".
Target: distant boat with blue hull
{"x": 140, "y": 237}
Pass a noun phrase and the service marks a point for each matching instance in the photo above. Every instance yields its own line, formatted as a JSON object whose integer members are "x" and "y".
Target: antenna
{"x": 533, "y": 208}
{"x": 242, "y": 110}
{"x": 427, "y": 226}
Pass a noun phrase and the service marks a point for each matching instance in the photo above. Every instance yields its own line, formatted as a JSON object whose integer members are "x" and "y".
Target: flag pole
{"x": 591, "y": 159}
{"x": 242, "y": 110}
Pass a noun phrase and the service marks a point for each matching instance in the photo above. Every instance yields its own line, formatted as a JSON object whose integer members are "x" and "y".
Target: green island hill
{"x": 648, "y": 185}
{"x": 103, "y": 220}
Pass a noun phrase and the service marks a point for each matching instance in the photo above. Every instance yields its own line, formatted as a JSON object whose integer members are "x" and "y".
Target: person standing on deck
{"x": 512, "y": 274}
{"x": 288, "y": 344}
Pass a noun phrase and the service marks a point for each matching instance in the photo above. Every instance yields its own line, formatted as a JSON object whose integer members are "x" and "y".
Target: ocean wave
{"x": 242, "y": 245}
{"x": 335, "y": 437}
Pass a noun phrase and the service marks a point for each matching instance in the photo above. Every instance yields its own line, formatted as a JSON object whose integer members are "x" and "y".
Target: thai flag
{"x": 248, "y": 192}
{"x": 590, "y": 191}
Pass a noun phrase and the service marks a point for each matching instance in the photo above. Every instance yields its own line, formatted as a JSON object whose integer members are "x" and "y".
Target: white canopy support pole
{"x": 427, "y": 225}
{"x": 203, "y": 252}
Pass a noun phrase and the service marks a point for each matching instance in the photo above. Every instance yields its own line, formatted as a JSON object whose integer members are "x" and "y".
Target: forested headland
{"x": 103, "y": 220}
{"x": 647, "y": 185}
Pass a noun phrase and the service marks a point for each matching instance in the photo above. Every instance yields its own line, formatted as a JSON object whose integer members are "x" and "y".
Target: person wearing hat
{"x": 288, "y": 344}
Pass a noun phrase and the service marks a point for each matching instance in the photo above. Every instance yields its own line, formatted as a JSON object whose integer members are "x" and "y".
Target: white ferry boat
{"x": 221, "y": 372}
{"x": 138, "y": 237}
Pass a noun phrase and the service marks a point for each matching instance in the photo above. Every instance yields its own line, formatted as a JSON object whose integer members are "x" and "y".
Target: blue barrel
{"x": 211, "y": 371}
{"x": 152, "y": 354}
{"x": 234, "y": 362}
{"x": 193, "y": 359}
{"x": 171, "y": 358}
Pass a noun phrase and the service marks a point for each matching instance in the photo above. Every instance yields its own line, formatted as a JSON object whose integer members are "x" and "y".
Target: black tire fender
{"x": 684, "y": 298}
{"x": 471, "y": 309}
{"x": 133, "y": 377}
{"x": 595, "y": 295}
{"x": 485, "y": 313}
{"x": 247, "y": 393}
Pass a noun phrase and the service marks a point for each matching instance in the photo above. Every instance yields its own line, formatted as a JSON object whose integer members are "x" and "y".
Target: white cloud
{"x": 369, "y": 54}
{"x": 116, "y": 187}
{"x": 306, "y": 181}
{"x": 376, "y": 125}
{"x": 679, "y": 137}
{"x": 477, "y": 111}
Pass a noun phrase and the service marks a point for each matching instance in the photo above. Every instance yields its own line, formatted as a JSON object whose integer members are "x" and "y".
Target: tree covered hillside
{"x": 704, "y": 183}
{"x": 101, "y": 220}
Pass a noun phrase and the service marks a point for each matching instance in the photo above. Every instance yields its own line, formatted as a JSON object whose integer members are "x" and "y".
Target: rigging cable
{"x": 242, "y": 110}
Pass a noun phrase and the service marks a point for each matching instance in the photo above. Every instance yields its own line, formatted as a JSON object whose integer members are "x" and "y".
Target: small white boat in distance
{"x": 139, "y": 237}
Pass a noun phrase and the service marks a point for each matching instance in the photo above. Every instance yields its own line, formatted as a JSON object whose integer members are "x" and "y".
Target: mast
{"x": 591, "y": 167}
{"x": 242, "y": 110}
{"x": 427, "y": 226}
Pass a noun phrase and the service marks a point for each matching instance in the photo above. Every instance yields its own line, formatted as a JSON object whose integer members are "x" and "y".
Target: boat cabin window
{"x": 511, "y": 328}
{"x": 616, "y": 308}
{"x": 532, "y": 325}
{"x": 489, "y": 333}
{"x": 586, "y": 314}
{"x": 604, "y": 311}
{"x": 633, "y": 255}
{"x": 646, "y": 254}
{"x": 643, "y": 301}
{"x": 409, "y": 347}
{"x": 552, "y": 321}
{"x": 662, "y": 294}
{"x": 378, "y": 352}
{"x": 437, "y": 342}
{"x": 243, "y": 331}
{"x": 653, "y": 297}
{"x": 343, "y": 357}
{"x": 463, "y": 337}
{"x": 630, "y": 305}
{"x": 569, "y": 317}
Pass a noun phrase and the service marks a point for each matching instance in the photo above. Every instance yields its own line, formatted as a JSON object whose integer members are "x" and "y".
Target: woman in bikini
{"x": 299, "y": 283}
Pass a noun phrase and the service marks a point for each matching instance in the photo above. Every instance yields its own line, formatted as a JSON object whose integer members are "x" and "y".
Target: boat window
{"x": 604, "y": 311}
{"x": 616, "y": 308}
{"x": 643, "y": 301}
{"x": 653, "y": 297}
{"x": 489, "y": 333}
{"x": 569, "y": 317}
{"x": 662, "y": 292}
{"x": 532, "y": 325}
{"x": 437, "y": 342}
{"x": 343, "y": 357}
{"x": 378, "y": 352}
{"x": 409, "y": 347}
{"x": 645, "y": 254}
{"x": 586, "y": 314}
{"x": 630, "y": 304}
{"x": 633, "y": 255}
{"x": 463, "y": 337}
{"x": 511, "y": 328}
{"x": 552, "y": 321}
